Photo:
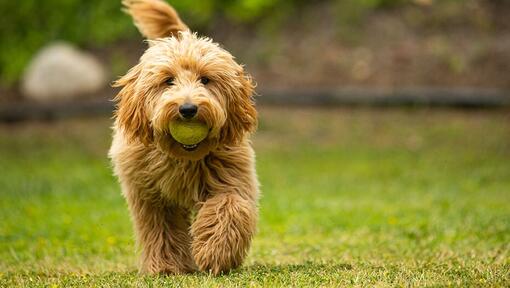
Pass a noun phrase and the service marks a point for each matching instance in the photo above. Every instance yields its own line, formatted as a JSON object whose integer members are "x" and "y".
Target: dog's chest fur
{"x": 177, "y": 182}
{"x": 157, "y": 176}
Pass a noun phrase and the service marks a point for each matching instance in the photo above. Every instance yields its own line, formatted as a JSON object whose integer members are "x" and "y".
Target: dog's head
{"x": 182, "y": 76}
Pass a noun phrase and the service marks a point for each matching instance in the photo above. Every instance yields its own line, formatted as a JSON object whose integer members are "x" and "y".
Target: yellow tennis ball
{"x": 188, "y": 132}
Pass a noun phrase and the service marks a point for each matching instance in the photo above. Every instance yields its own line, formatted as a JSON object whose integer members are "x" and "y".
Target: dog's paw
{"x": 216, "y": 261}
{"x": 166, "y": 267}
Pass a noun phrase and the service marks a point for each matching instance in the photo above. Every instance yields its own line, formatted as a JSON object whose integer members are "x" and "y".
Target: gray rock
{"x": 60, "y": 71}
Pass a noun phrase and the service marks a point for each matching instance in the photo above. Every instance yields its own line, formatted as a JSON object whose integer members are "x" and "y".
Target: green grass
{"x": 350, "y": 197}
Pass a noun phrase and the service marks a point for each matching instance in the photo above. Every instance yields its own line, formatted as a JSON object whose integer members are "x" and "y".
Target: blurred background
{"x": 335, "y": 43}
{"x": 372, "y": 168}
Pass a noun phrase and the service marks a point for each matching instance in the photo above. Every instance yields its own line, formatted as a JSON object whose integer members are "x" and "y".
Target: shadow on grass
{"x": 309, "y": 274}
{"x": 307, "y": 267}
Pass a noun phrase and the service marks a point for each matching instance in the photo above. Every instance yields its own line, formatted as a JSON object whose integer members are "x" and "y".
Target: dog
{"x": 192, "y": 208}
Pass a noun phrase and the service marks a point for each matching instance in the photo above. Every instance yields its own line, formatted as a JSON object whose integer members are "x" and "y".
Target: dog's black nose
{"x": 188, "y": 110}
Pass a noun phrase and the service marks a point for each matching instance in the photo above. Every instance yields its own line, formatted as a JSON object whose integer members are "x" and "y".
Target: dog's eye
{"x": 170, "y": 81}
{"x": 204, "y": 80}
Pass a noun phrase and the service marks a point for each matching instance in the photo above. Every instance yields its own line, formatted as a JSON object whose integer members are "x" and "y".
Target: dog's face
{"x": 185, "y": 77}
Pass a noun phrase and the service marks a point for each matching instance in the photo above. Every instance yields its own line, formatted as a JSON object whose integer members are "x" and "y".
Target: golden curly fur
{"x": 163, "y": 182}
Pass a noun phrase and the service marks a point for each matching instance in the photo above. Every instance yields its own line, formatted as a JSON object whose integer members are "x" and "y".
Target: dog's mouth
{"x": 190, "y": 148}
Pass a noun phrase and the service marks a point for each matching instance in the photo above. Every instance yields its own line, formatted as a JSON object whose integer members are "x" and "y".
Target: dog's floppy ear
{"x": 242, "y": 115}
{"x": 154, "y": 18}
{"x": 131, "y": 115}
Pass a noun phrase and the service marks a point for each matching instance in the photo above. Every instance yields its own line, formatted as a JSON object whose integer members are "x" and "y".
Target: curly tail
{"x": 154, "y": 18}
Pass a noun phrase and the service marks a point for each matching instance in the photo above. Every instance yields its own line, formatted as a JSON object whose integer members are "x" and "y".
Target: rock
{"x": 60, "y": 71}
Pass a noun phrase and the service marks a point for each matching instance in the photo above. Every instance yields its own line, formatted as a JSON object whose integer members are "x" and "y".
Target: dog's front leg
{"x": 222, "y": 231}
{"x": 163, "y": 235}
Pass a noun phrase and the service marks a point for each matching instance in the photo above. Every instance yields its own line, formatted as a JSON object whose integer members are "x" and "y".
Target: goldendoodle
{"x": 193, "y": 206}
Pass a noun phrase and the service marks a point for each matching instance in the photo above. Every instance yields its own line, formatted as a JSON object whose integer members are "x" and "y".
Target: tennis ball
{"x": 188, "y": 132}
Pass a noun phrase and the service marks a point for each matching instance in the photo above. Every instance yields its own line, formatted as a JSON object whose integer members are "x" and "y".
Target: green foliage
{"x": 350, "y": 13}
{"x": 27, "y": 25}
{"x": 414, "y": 198}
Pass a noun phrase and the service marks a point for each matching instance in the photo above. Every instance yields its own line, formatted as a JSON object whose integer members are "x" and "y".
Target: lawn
{"x": 394, "y": 197}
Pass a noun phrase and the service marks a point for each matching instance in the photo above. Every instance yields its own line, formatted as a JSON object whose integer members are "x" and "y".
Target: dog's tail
{"x": 154, "y": 18}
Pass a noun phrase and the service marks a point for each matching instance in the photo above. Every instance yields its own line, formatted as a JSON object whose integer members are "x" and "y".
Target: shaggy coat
{"x": 191, "y": 208}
